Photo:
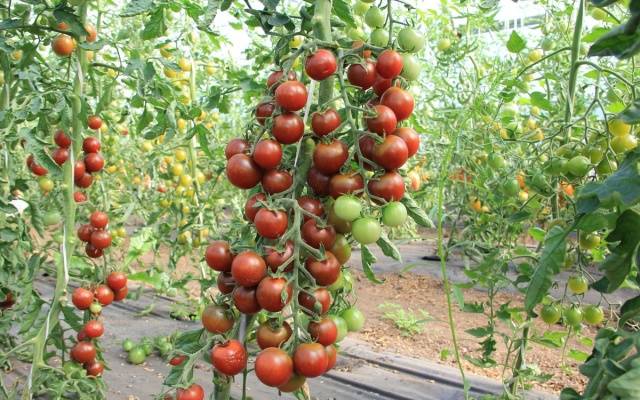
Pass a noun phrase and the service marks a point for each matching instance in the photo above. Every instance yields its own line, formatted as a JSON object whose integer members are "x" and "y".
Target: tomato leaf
{"x": 388, "y": 248}
{"x": 551, "y": 260}
{"x": 135, "y": 7}
{"x": 343, "y": 10}
{"x": 516, "y": 43}
{"x": 631, "y": 115}
{"x": 539, "y": 99}
{"x": 155, "y": 26}
{"x": 629, "y": 310}
{"x": 368, "y": 259}
{"x": 416, "y": 213}
{"x": 622, "y": 42}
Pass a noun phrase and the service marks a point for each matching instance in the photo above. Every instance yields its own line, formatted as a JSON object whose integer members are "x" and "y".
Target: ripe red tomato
{"x": 121, "y": 294}
{"x": 363, "y": 76}
{"x": 218, "y": 256}
{"x": 275, "y": 181}
{"x": 318, "y": 181}
{"x": 84, "y": 232}
{"x": 104, "y": 295}
{"x": 243, "y": 172}
{"x": 294, "y": 383}
{"x": 217, "y": 319}
{"x": 81, "y": 336}
{"x": 248, "y": 268}
{"x": 251, "y": 207}
{"x": 389, "y": 64}
{"x": 83, "y": 352}
{"x": 400, "y": 101}
{"x": 316, "y": 236}
{"x": 93, "y": 329}
{"x": 321, "y": 65}
{"x": 95, "y": 368}
{"x": 264, "y": 111}
{"x": 273, "y": 367}
{"x": 193, "y": 392}
{"x": 410, "y": 137}
{"x": 276, "y": 77}
{"x": 291, "y": 95}
{"x": 381, "y": 85}
{"x": 92, "y": 34}
{"x": 341, "y": 249}
{"x": 267, "y": 154}
{"x": 8, "y": 302}
{"x": 325, "y": 272}
{"x": 236, "y": 146}
{"x": 323, "y": 123}
{"x": 92, "y": 251}
{"x": 83, "y": 181}
{"x": 225, "y": 283}
{"x": 79, "y": 197}
{"x": 288, "y": 128}
{"x": 330, "y": 157}
{"x": 101, "y": 239}
{"x": 94, "y": 122}
{"x": 339, "y": 224}
{"x": 324, "y": 331}
{"x": 61, "y": 139}
{"x": 348, "y": 183}
{"x": 82, "y": 298}
{"x": 60, "y": 155}
{"x": 63, "y": 45}
{"x": 229, "y": 358}
{"x": 245, "y": 300}
{"x": 93, "y": 162}
{"x": 389, "y": 186}
{"x": 332, "y": 355}
{"x": 384, "y": 122}
{"x": 270, "y": 224}
{"x": 269, "y": 293}
{"x": 311, "y": 205}
{"x": 91, "y": 145}
{"x": 318, "y": 302}
{"x": 117, "y": 280}
{"x": 79, "y": 168}
{"x": 275, "y": 258}
{"x": 98, "y": 219}
{"x": 310, "y": 360}
{"x": 177, "y": 360}
{"x": 366, "y": 144}
{"x": 36, "y": 168}
{"x": 272, "y": 336}
{"x": 392, "y": 153}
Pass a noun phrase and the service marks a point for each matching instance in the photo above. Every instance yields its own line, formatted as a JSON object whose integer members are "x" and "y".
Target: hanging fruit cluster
{"x": 92, "y": 300}
{"x": 95, "y": 234}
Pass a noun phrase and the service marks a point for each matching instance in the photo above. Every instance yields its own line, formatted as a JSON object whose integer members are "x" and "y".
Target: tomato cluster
{"x": 95, "y": 234}
{"x": 84, "y": 351}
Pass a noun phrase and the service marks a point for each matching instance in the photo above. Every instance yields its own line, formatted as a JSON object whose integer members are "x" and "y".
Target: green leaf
{"x": 578, "y": 355}
{"x": 155, "y": 26}
{"x": 368, "y": 259}
{"x": 539, "y": 99}
{"x": 621, "y": 188}
{"x": 595, "y": 34}
{"x": 630, "y": 310}
{"x": 388, "y": 248}
{"x": 343, "y": 10}
{"x": 631, "y": 115}
{"x": 622, "y": 42}
{"x": 597, "y": 221}
{"x": 537, "y": 233}
{"x": 480, "y": 331}
{"x": 135, "y": 7}
{"x": 415, "y": 212}
{"x": 618, "y": 264}
{"x": 516, "y": 43}
{"x": 551, "y": 259}
{"x": 626, "y": 385}
{"x": 152, "y": 278}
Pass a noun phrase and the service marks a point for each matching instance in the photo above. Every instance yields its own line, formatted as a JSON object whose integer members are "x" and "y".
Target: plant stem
{"x": 322, "y": 31}
{"x": 573, "y": 74}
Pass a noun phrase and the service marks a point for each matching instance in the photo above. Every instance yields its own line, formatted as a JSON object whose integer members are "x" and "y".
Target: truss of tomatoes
{"x": 84, "y": 351}
{"x": 256, "y": 280}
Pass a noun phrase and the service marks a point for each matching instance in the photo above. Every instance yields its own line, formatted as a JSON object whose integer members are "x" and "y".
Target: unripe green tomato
{"x": 137, "y": 355}
{"x": 509, "y": 110}
{"x": 347, "y": 207}
{"x": 606, "y": 166}
{"x": 361, "y": 7}
{"x": 511, "y": 187}
{"x": 354, "y": 319}
{"x": 410, "y": 68}
{"x": 409, "y": 40}
{"x": 623, "y": 143}
{"x": 573, "y": 316}
{"x": 394, "y": 214}
{"x": 589, "y": 241}
{"x": 547, "y": 44}
{"x": 595, "y": 154}
{"x": 593, "y": 315}
{"x": 366, "y": 230}
{"x": 550, "y": 314}
{"x": 172, "y": 292}
{"x": 45, "y": 184}
{"x": 341, "y": 249}
{"x": 598, "y": 13}
{"x": 374, "y": 17}
{"x": 535, "y": 55}
{"x": 578, "y": 284}
{"x": 127, "y": 345}
{"x": 95, "y": 308}
{"x": 379, "y": 37}
{"x": 164, "y": 348}
{"x": 444, "y": 44}
{"x": 579, "y": 166}
{"x": 497, "y": 161}
{"x": 341, "y": 326}
{"x": 51, "y": 218}
{"x": 356, "y": 34}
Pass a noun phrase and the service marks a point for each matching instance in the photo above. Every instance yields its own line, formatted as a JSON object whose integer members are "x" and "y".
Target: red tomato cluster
{"x": 84, "y": 351}
{"x": 95, "y": 234}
